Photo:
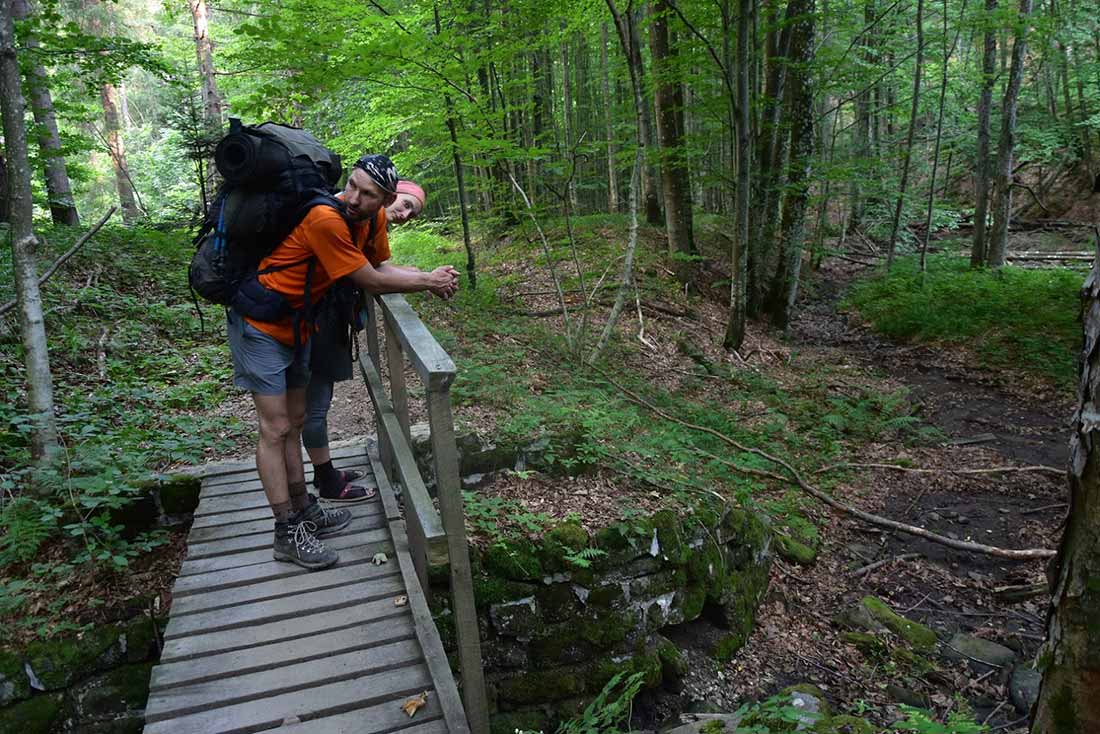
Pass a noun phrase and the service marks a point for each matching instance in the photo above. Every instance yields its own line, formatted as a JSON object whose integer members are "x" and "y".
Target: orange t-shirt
{"x": 322, "y": 234}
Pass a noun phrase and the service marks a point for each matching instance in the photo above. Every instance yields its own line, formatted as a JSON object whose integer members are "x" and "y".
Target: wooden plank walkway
{"x": 255, "y": 644}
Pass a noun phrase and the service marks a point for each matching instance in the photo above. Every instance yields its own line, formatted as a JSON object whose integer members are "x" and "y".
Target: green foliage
{"x": 583, "y": 558}
{"x": 919, "y": 721}
{"x": 772, "y": 716}
{"x": 609, "y": 710}
{"x": 1012, "y": 317}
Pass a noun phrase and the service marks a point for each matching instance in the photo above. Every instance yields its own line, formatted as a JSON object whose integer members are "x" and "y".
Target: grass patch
{"x": 1011, "y": 317}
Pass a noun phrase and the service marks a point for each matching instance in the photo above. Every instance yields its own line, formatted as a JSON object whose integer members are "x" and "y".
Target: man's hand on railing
{"x": 444, "y": 281}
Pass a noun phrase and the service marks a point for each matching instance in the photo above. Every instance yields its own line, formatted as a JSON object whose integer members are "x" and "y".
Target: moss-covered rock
{"x": 140, "y": 639}
{"x": 727, "y": 647}
{"x": 558, "y": 602}
{"x": 539, "y": 686}
{"x": 513, "y": 721}
{"x": 559, "y": 543}
{"x": 674, "y": 665}
{"x": 795, "y": 551}
{"x": 519, "y": 618}
{"x": 844, "y": 724}
{"x": 914, "y": 633}
{"x": 670, "y": 537}
{"x": 58, "y": 663}
{"x": 37, "y": 715}
{"x": 179, "y": 493}
{"x": 14, "y": 684}
{"x": 115, "y": 692}
{"x": 514, "y": 559}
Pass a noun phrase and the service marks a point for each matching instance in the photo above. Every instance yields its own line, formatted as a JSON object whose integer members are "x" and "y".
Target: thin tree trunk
{"x": 675, "y": 176}
{"x": 612, "y": 169}
{"x": 211, "y": 101}
{"x": 626, "y": 281}
{"x": 32, "y": 325}
{"x": 982, "y": 172}
{"x": 649, "y": 183}
{"x": 784, "y": 286}
{"x": 567, "y": 115}
{"x": 116, "y": 148}
{"x": 909, "y": 137}
{"x": 58, "y": 189}
{"x": 1002, "y": 183}
{"x": 1067, "y": 702}
{"x": 735, "y": 329}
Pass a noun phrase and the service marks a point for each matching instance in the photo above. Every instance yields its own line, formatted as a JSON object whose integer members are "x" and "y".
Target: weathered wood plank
{"x": 264, "y": 572}
{"x": 265, "y": 713}
{"x": 388, "y": 717}
{"x": 283, "y": 630}
{"x": 281, "y": 652}
{"x": 435, "y": 367}
{"x": 338, "y": 575}
{"x": 426, "y": 632}
{"x": 249, "y": 482}
{"x": 231, "y": 471}
{"x": 263, "y": 538}
{"x": 234, "y": 503}
{"x": 287, "y": 607}
{"x": 227, "y": 560}
{"x": 265, "y": 524}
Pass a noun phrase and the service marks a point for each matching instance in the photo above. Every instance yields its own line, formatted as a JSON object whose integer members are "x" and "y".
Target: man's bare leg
{"x": 295, "y": 471}
{"x": 271, "y": 449}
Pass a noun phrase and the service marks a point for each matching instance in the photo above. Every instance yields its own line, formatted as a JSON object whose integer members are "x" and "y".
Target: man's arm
{"x": 443, "y": 281}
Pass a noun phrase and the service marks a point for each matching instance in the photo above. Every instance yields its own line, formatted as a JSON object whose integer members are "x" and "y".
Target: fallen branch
{"x": 1035, "y": 510}
{"x": 914, "y": 470}
{"x": 879, "y": 564}
{"x": 796, "y": 478}
{"x": 61, "y": 260}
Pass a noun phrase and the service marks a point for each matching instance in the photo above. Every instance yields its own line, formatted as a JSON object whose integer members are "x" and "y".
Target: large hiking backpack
{"x": 273, "y": 175}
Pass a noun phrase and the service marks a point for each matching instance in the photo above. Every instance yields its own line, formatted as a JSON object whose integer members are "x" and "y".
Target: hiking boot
{"x": 324, "y": 521}
{"x": 295, "y": 543}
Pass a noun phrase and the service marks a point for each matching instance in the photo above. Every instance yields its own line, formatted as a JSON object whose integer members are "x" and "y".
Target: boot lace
{"x": 304, "y": 539}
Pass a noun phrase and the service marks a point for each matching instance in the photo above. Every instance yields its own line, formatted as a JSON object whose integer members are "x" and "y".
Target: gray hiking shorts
{"x": 263, "y": 364}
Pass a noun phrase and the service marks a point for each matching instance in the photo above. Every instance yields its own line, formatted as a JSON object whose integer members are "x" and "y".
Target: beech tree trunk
{"x": 211, "y": 101}
{"x": 982, "y": 168}
{"x": 908, "y": 154}
{"x": 58, "y": 189}
{"x": 612, "y": 173}
{"x": 735, "y": 329}
{"x": 32, "y": 326}
{"x": 116, "y": 148}
{"x": 784, "y": 285}
{"x": 1068, "y": 701}
{"x": 1002, "y": 182}
{"x": 633, "y": 52}
{"x": 668, "y": 99}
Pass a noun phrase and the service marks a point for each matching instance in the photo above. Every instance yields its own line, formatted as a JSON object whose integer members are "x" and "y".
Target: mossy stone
{"x": 845, "y": 724}
{"x": 115, "y": 692}
{"x": 140, "y": 634}
{"x": 493, "y": 590}
{"x": 707, "y": 563}
{"x": 867, "y": 643}
{"x": 648, "y": 663}
{"x": 727, "y": 647}
{"x": 564, "y": 644}
{"x": 540, "y": 686}
{"x": 558, "y": 543}
{"x": 14, "y": 684}
{"x": 670, "y": 537}
{"x": 810, "y": 689}
{"x": 795, "y": 551}
{"x": 37, "y": 715}
{"x": 121, "y": 725}
{"x": 914, "y": 633}
{"x": 608, "y": 628}
{"x": 57, "y": 663}
{"x": 179, "y": 494}
{"x": 609, "y": 596}
{"x": 692, "y": 601}
{"x": 557, "y": 602}
{"x": 674, "y": 665}
{"x": 518, "y": 560}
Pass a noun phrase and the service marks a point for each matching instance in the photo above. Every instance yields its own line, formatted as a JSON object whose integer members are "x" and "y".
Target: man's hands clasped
{"x": 443, "y": 281}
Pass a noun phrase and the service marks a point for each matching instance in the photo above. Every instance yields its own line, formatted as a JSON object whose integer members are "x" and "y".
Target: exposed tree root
{"x": 915, "y": 470}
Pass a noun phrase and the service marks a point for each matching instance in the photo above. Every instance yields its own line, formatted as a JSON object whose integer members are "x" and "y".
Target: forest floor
{"x": 987, "y": 419}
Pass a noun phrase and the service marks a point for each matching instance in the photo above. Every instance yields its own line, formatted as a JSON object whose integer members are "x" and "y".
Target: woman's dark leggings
{"x": 318, "y": 400}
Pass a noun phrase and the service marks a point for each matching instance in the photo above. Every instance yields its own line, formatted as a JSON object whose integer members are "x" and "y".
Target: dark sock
{"x": 299, "y": 498}
{"x": 326, "y": 474}
{"x": 281, "y": 511}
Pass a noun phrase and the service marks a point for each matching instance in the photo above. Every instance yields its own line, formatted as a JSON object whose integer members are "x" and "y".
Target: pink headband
{"x": 405, "y": 186}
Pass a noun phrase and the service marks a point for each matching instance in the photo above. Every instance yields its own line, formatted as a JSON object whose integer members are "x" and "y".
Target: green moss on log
{"x": 914, "y": 633}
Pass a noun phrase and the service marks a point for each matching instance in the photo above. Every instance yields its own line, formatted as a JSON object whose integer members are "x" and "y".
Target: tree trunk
{"x": 649, "y": 184}
{"x": 5, "y": 194}
{"x": 32, "y": 325}
{"x": 947, "y": 53}
{"x": 58, "y": 189}
{"x": 982, "y": 172}
{"x": 675, "y": 177}
{"x": 115, "y": 146}
{"x": 211, "y": 101}
{"x": 612, "y": 172}
{"x": 1002, "y": 183}
{"x": 735, "y": 329}
{"x": 784, "y": 286}
{"x": 908, "y": 155}
{"x": 567, "y": 116}
{"x": 1067, "y": 702}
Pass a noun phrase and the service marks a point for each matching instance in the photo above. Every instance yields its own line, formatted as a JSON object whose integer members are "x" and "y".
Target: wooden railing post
{"x": 399, "y": 393}
{"x": 449, "y": 487}
{"x": 385, "y": 452}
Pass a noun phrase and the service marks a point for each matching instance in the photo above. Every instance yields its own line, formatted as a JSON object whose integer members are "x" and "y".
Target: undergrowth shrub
{"x": 1012, "y": 317}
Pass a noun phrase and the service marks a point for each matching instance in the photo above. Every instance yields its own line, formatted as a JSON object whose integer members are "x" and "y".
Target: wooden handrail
{"x": 434, "y": 537}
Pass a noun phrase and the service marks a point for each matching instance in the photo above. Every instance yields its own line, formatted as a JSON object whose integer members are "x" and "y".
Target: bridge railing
{"x": 435, "y": 537}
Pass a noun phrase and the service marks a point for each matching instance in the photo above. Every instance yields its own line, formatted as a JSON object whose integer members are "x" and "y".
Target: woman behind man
{"x": 330, "y": 362}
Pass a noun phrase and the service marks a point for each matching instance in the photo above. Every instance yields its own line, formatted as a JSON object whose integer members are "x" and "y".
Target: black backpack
{"x": 273, "y": 176}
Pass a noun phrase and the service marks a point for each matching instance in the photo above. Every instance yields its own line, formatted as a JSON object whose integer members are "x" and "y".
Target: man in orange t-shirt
{"x": 274, "y": 366}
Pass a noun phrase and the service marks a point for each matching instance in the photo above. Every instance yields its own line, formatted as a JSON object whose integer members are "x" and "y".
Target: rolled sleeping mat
{"x": 246, "y": 157}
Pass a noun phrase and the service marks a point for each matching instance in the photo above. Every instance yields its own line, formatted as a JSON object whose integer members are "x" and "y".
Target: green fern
{"x": 584, "y": 557}
{"x": 24, "y": 527}
{"x": 603, "y": 716}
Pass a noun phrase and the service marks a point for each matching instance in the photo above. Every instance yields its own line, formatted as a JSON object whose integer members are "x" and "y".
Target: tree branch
{"x": 61, "y": 260}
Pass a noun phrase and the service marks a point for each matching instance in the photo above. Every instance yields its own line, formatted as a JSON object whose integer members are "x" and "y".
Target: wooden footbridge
{"x": 255, "y": 645}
